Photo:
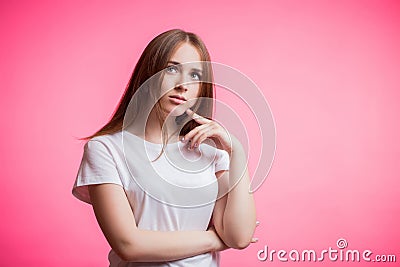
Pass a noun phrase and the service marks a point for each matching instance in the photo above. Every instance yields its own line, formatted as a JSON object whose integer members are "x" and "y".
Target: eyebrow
{"x": 177, "y": 63}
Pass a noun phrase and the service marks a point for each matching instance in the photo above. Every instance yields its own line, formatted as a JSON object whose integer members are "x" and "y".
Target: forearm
{"x": 158, "y": 246}
{"x": 239, "y": 216}
{"x": 116, "y": 220}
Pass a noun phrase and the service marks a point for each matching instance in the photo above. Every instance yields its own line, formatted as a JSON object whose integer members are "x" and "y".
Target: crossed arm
{"x": 118, "y": 224}
{"x": 234, "y": 221}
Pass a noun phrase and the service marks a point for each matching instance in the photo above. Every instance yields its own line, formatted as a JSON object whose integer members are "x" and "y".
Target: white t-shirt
{"x": 175, "y": 192}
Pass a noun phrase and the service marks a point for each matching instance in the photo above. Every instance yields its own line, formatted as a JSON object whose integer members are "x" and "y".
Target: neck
{"x": 153, "y": 130}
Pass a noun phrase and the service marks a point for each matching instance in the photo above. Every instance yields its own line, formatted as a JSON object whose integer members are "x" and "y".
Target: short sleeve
{"x": 222, "y": 160}
{"x": 97, "y": 167}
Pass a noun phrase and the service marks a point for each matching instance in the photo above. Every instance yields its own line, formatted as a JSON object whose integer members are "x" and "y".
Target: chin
{"x": 177, "y": 111}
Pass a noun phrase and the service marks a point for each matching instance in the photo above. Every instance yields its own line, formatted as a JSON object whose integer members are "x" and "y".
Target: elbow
{"x": 132, "y": 249}
{"x": 125, "y": 256}
{"x": 129, "y": 256}
{"x": 127, "y": 252}
{"x": 239, "y": 242}
{"x": 239, "y": 238}
{"x": 124, "y": 252}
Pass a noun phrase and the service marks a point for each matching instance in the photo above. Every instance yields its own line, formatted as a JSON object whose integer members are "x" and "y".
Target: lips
{"x": 177, "y": 99}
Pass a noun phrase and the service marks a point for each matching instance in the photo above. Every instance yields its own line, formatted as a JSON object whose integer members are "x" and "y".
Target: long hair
{"x": 155, "y": 58}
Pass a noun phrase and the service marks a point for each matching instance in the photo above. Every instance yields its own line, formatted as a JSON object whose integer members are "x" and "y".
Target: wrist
{"x": 235, "y": 147}
{"x": 212, "y": 245}
{"x": 216, "y": 244}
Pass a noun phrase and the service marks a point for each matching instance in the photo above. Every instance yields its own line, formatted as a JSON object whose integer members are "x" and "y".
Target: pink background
{"x": 329, "y": 70}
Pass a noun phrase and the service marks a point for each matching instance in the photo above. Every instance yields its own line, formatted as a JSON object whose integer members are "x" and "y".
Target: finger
{"x": 197, "y": 139}
{"x": 201, "y": 135}
{"x": 197, "y": 117}
{"x": 193, "y": 132}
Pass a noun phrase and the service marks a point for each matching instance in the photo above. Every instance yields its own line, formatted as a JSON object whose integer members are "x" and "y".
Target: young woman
{"x": 153, "y": 226}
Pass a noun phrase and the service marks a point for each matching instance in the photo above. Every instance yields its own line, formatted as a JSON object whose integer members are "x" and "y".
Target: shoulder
{"x": 103, "y": 146}
{"x": 214, "y": 152}
{"x": 107, "y": 140}
{"x": 107, "y": 137}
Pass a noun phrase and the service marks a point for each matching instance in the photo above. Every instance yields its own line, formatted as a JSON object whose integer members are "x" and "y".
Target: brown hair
{"x": 155, "y": 58}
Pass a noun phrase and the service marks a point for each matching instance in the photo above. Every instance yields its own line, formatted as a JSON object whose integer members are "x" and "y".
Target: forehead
{"x": 186, "y": 53}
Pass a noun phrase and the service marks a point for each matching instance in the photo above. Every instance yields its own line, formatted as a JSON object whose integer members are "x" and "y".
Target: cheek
{"x": 167, "y": 84}
{"x": 194, "y": 91}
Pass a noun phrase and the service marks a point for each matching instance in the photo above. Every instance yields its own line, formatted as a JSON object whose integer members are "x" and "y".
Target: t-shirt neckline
{"x": 148, "y": 142}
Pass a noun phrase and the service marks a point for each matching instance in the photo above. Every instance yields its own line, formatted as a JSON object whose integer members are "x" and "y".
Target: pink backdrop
{"x": 329, "y": 70}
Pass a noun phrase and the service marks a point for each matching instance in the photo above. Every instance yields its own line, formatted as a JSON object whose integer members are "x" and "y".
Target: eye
{"x": 172, "y": 69}
{"x": 195, "y": 76}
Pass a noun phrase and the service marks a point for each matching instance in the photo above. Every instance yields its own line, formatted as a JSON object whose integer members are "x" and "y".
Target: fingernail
{"x": 257, "y": 223}
{"x": 195, "y": 145}
{"x": 183, "y": 139}
{"x": 255, "y": 239}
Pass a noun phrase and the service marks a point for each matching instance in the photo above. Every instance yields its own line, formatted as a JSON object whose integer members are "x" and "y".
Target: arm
{"x": 118, "y": 224}
{"x": 234, "y": 214}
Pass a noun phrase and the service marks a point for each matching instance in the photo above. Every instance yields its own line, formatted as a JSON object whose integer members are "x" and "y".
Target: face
{"x": 180, "y": 84}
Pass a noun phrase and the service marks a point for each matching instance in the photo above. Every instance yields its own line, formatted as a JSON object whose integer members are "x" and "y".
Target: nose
{"x": 181, "y": 87}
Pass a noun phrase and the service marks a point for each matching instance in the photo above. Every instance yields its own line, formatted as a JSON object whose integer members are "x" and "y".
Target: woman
{"x": 161, "y": 225}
